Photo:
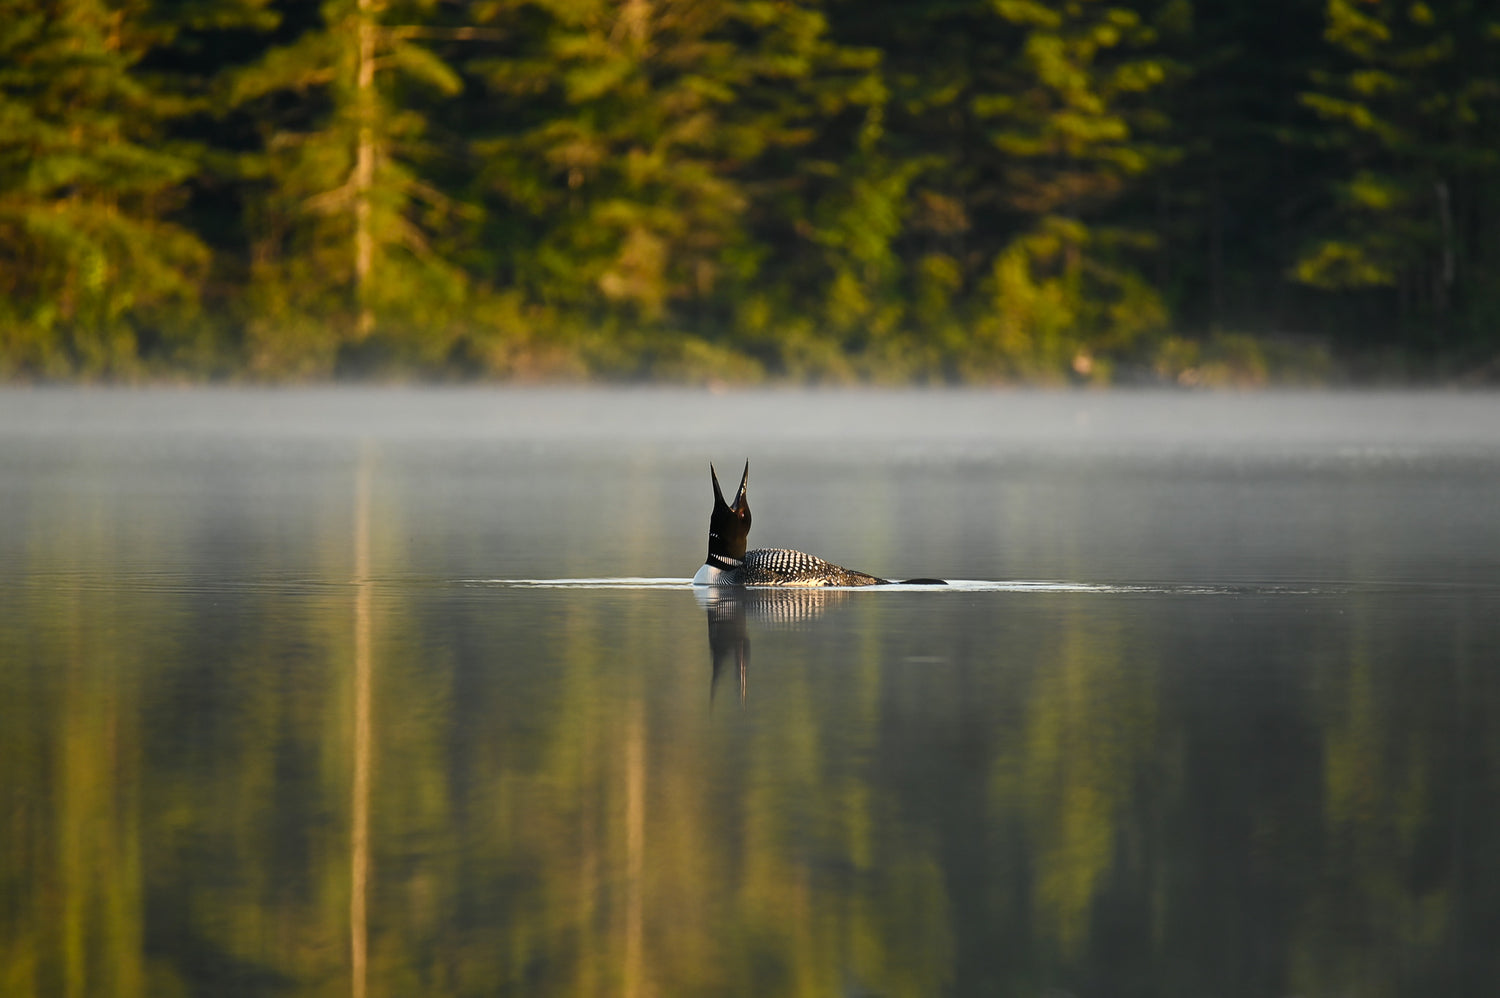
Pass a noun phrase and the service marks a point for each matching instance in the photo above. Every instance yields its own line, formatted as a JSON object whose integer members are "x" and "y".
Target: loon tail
{"x": 921, "y": 582}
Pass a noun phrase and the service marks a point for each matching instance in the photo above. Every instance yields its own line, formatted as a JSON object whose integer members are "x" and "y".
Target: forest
{"x": 824, "y": 191}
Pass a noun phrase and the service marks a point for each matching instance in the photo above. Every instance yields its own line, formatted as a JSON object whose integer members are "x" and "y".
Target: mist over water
{"x": 404, "y": 691}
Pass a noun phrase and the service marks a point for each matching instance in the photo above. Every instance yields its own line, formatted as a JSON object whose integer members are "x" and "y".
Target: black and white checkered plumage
{"x": 784, "y": 567}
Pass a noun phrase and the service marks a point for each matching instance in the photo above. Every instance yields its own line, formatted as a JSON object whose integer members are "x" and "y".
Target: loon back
{"x": 784, "y": 567}
{"x": 729, "y": 564}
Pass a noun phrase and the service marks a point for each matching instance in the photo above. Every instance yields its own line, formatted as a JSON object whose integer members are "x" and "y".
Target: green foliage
{"x": 660, "y": 139}
{"x": 88, "y": 256}
{"x": 1065, "y": 127}
{"x": 1414, "y": 109}
{"x": 1056, "y": 303}
{"x": 699, "y": 189}
{"x": 342, "y": 267}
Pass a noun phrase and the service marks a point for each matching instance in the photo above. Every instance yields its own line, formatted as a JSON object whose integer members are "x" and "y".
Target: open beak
{"x": 739, "y": 499}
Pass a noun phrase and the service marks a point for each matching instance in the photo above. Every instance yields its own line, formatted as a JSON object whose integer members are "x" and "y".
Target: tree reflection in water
{"x": 214, "y": 784}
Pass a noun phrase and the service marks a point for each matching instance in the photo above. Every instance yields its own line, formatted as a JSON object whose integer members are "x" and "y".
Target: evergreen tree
{"x": 342, "y": 219}
{"x": 93, "y": 270}
{"x": 1414, "y": 112}
{"x": 657, "y": 152}
{"x": 1071, "y": 132}
{"x": 1028, "y": 130}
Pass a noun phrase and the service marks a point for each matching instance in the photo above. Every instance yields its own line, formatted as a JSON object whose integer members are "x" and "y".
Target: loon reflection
{"x": 730, "y": 608}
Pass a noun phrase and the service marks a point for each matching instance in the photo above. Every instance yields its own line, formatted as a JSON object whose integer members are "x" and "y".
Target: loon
{"x": 729, "y": 564}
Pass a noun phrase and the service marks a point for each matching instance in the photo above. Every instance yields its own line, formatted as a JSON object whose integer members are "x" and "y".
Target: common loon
{"x": 729, "y": 564}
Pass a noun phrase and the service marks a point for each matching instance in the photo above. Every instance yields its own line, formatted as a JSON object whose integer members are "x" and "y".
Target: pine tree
{"x": 1414, "y": 112}
{"x": 342, "y": 220}
{"x": 92, "y": 268}
{"x": 1028, "y": 129}
{"x": 656, "y": 155}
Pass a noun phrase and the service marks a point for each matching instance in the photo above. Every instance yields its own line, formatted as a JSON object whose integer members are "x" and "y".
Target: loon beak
{"x": 739, "y": 499}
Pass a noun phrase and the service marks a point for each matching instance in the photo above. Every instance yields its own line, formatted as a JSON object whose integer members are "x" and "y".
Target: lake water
{"x": 404, "y": 692}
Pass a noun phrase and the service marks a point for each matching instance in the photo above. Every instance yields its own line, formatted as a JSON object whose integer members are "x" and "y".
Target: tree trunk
{"x": 364, "y": 167}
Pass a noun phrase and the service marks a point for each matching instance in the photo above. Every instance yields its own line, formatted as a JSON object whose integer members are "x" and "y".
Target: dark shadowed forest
{"x": 810, "y": 190}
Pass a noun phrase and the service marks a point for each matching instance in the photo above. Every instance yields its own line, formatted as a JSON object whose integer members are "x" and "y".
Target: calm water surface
{"x": 310, "y": 693}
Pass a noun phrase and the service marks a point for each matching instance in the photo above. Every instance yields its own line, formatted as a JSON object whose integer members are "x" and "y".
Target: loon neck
{"x": 723, "y": 561}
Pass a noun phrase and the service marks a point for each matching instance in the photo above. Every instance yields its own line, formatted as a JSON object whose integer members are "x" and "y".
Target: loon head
{"x": 730, "y": 524}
